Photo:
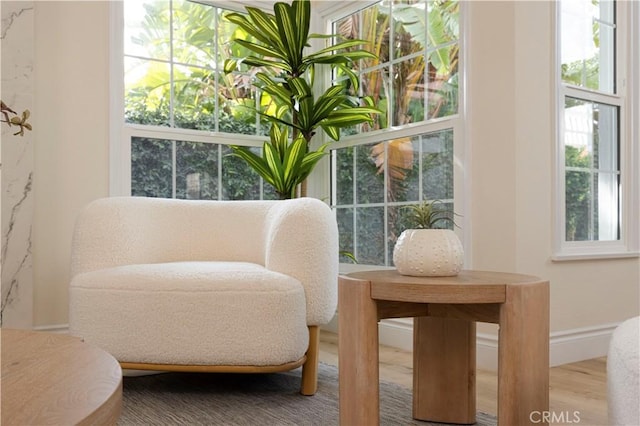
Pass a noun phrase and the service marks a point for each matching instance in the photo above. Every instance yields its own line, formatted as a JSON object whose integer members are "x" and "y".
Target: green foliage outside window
{"x": 578, "y": 194}
{"x": 415, "y": 75}
{"x": 181, "y": 84}
{"x": 414, "y": 79}
{"x": 429, "y": 85}
{"x": 201, "y": 98}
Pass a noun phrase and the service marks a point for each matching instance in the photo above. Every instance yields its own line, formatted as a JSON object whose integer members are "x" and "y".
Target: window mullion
{"x": 385, "y": 223}
{"x": 172, "y": 122}
{"x": 592, "y": 207}
{"x": 355, "y": 201}
{"x": 220, "y": 192}
{"x": 216, "y": 83}
{"x": 174, "y": 168}
{"x": 420, "y": 169}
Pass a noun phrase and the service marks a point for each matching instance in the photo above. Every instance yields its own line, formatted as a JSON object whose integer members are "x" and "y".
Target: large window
{"x": 181, "y": 112}
{"x": 180, "y": 109}
{"x": 596, "y": 129}
{"x": 407, "y": 155}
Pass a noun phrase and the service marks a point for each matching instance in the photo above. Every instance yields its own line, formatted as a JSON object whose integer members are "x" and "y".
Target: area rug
{"x": 252, "y": 399}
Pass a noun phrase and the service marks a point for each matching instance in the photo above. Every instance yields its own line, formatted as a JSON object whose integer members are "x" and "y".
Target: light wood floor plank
{"x": 579, "y": 388}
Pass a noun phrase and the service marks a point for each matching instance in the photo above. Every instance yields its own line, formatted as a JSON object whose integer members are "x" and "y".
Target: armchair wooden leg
{"x": 310, "y": 366}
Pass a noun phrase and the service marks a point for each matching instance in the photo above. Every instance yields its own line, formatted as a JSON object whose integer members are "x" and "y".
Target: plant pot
{"x": 428, "y": 253}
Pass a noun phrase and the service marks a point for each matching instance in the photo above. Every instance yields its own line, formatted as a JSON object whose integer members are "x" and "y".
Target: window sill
{"x": 347, "y": 268}
{"x": 568, "y": 257}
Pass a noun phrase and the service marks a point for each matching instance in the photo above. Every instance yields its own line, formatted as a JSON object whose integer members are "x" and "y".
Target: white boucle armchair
{"x": 623, "y": 374}
{"x": 218, "y": 286}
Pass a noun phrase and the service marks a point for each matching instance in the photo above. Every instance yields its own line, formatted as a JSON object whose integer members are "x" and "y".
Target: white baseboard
{"x": 565, "y": 346}
{"x": 57, "y": 328}
{"x": 580, "y": 343}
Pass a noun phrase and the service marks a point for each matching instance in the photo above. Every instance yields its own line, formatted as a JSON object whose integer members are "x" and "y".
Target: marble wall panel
{"x": 17, "y": 60}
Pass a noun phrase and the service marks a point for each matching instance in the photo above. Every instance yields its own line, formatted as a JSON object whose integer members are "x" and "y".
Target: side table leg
{"x": 444, "y": 370}
{"x": 358, "y": 354}
{"x": 523, "y": 355}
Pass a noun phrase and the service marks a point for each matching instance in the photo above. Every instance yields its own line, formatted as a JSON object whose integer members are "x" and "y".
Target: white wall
{"x": 512, "y": 148}
{"x": 511, "y": 141}
{"x": 71, "y": 150}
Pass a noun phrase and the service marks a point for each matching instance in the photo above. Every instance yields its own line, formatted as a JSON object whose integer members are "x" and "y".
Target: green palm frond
{"x": 285, "y": 77}
{"x": 284, "y": 164}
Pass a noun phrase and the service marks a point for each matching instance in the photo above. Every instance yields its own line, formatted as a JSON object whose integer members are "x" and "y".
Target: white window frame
{"x": 337, "y": 10}
{"x": 627, "y": 99}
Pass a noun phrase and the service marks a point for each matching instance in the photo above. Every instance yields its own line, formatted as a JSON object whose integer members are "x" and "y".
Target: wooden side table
{"x": 445, "y": 310}
{"x": 57, "y": 379}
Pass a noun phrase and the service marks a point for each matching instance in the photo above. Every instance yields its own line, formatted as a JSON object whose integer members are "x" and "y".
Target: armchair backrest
{"x": 295, "y": 237}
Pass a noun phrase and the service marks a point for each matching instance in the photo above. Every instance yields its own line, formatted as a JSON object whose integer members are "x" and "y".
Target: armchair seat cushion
{"x": 192, "y": 313}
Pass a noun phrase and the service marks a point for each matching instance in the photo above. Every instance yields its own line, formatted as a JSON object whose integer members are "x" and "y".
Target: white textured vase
{"x": 428, "y": 253}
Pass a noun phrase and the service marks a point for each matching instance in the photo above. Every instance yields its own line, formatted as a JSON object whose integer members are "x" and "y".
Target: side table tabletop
{"x": 57, "y": 379}
{"x": 445, "y": 311}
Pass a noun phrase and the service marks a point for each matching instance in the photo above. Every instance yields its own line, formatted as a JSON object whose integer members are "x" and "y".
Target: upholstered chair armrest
{"x": 302, "y": 242}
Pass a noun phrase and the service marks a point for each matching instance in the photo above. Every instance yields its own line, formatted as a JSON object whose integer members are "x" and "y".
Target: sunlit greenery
{"x": 183, "y": 84}
{"x": 417, "y": 50}
{"x": 203, "y": 97}
{"x": 360, "y": 190}
{"x": 582, "y": 73}
{"x": 578, "y": 194}
{"x": 413, "y": 79}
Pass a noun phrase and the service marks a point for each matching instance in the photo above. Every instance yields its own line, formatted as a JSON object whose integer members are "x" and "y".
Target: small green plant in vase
{"x": 430, "y": 215}
{"x": 429, "y": 248}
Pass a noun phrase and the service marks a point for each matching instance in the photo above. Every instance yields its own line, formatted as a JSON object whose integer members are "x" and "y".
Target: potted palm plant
{"x": 429, "y": 248}
{"x": 284, "y": 73}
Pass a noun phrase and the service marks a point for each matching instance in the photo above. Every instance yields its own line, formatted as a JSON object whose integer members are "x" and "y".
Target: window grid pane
{"x": 196, "y": 171}
{"x": 151, "y": 167}
{"x": 192, "y": 170}
{"x": 592, "y": 174}
{"x": 588, "y": 44}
